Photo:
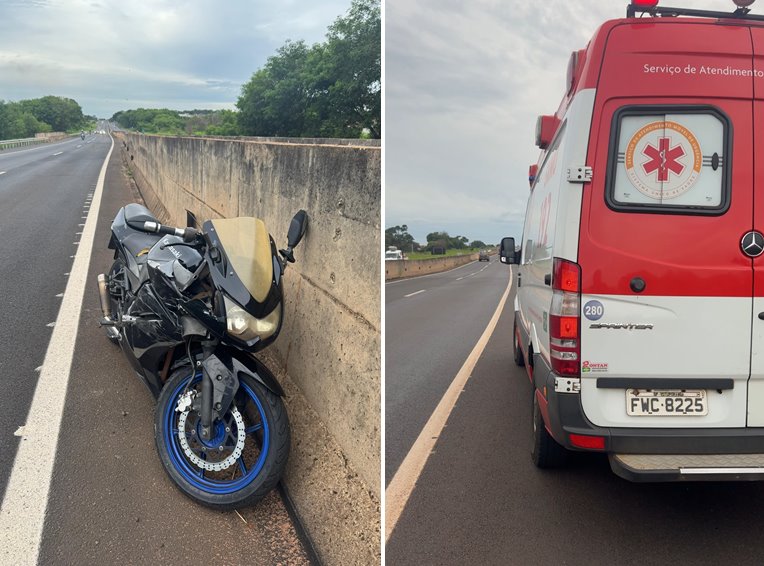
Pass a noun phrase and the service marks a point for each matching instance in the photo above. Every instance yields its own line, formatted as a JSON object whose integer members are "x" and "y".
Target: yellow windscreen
{"x": 246, "y": 243}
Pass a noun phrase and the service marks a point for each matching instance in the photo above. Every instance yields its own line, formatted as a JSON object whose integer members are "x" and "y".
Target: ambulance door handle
{"x": 761, "y": 316}
{"x": 519, "y": 279}
{"x": 548, "y": 279}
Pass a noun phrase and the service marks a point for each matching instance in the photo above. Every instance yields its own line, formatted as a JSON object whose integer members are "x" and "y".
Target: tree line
{"x": 173, "y": 122}
{"x": 25, "y": 118}
{"x": 330, "y": 89}
{"x": 399, "y": 237}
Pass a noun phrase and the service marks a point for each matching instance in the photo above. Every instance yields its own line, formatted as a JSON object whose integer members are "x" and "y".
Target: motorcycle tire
{"x": 261, "y": 462}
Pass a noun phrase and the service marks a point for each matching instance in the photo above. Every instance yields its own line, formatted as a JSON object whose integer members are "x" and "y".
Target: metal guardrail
{"x": 8, "y": 144}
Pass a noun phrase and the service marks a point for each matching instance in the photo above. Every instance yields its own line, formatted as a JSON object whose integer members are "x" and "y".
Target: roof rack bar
{"x": 666, "y": 12}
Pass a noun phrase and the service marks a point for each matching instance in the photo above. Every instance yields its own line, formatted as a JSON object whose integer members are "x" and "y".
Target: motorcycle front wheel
{"x": 245, "y": 455}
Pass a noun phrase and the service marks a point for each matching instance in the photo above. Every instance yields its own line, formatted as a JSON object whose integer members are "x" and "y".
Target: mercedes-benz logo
{"x": 752, "y": 244}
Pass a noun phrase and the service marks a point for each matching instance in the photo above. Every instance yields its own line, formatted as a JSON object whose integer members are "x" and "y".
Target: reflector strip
{"x": 589, "y": 442}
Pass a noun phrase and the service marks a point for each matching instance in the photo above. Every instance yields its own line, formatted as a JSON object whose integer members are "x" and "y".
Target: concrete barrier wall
{"x": 51, "y": 136}
{"x": 329, "y": 347}
{"x": 401, "y": 268}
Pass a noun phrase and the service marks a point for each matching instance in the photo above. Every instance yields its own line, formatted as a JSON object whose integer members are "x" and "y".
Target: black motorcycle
{"x": 189, "y": 308}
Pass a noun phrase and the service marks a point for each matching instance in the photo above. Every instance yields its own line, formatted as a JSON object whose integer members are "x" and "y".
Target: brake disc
{"x": 195, "y": 458}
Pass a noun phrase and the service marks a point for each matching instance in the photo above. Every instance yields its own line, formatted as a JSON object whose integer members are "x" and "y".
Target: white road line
{"x": 2, "y": 172}
{"x": 22, "y": 514}
{"x": 470, "y": 275}
{"x": 415, "y": 293}
{"x": 36, "y": 148}
{"x": 59, "y": 153}
{"x": 402, "y": 485}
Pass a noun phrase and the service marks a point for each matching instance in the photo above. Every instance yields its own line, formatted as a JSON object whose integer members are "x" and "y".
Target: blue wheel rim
{"x": 191, "y": 473}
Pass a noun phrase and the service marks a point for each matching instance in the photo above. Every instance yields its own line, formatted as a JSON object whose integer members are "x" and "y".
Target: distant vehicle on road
{"x": 392, "y": 255}
{"x": 483, "y": 256}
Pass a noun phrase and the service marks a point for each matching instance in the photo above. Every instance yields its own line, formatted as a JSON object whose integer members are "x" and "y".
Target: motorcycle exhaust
{"x": 103, "y": 291}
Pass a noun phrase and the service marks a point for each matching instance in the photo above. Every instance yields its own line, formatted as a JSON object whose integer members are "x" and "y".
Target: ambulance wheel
{"x": 519, "y": 359}
{"x": 545, "y": 453}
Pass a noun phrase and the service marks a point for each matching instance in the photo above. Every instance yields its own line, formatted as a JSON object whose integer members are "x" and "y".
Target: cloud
{"x": 465, "y": 82}
{"x": 112, "y": 53}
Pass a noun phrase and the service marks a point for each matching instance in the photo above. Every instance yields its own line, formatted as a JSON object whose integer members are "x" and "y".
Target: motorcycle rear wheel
{"x": 261, "y": 462}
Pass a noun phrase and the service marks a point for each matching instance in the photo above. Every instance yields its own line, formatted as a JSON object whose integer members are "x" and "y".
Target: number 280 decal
{"x": 593, "y": 310}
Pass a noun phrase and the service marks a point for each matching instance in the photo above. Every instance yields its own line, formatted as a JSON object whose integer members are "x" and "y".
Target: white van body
{"x": 639, "y": 311}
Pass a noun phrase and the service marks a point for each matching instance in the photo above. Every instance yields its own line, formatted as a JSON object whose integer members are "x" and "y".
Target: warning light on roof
{"x": 645, "y": 3}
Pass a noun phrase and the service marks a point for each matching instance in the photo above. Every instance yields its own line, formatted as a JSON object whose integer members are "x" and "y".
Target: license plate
{"x": 666, "y": 403}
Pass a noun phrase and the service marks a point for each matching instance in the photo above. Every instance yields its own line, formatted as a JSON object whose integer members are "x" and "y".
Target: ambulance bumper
{"x": 641, "y": 454}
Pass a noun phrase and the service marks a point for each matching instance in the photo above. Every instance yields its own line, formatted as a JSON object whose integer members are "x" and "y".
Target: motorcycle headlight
{"x": 246, "y": 327}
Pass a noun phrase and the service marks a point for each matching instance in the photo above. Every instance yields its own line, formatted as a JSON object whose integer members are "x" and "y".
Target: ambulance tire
{"x": 545, "y": 453}
{"x": 516, "y": 350}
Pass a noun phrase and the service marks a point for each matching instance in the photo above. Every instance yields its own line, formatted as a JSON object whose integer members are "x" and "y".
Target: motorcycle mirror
{"x": 191, "y": 221}
{"x": 297, "y": 228}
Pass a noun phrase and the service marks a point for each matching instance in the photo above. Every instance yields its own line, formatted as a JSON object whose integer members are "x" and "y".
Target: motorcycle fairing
{"x": 245, "y": 241}
{"x": 155, "y": 330}
{"x": 226, "y": 277}
{"x": 240, "y": 362}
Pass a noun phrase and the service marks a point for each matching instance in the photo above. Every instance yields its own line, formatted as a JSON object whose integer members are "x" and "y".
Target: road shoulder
{"x": 110, "y": 501}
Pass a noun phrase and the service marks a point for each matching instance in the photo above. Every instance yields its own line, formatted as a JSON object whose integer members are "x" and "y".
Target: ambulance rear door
{"x": 666, "y": 290}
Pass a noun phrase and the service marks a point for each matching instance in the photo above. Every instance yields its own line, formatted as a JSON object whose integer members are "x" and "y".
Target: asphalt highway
{"x": 42, "y": 193}
{"x": 480, "y": 500}
{"x": 432, "y": 323}
{"x": 110, "y": 502}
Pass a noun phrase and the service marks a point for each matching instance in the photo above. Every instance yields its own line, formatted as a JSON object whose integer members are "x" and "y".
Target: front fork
{"x": 219, "y": 386}
{"x": 205, "y": 411}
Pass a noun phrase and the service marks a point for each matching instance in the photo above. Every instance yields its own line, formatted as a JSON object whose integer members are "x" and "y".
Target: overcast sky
{"x": 465, "y": 82}
{"x": 112, "y": 55}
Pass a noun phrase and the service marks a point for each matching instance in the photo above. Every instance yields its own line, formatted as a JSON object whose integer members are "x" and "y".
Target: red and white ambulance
{"x": 639, "y": 312}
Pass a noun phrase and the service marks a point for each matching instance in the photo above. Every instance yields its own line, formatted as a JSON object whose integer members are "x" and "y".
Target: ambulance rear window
{"x": 669, "y": 159}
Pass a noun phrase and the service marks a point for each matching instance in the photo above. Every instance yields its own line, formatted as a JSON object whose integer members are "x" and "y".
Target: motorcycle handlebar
{"x": 188, "y": 234}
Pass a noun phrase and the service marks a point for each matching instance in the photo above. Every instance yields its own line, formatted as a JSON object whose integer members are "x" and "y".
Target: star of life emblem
{"x": 663, "y": 160}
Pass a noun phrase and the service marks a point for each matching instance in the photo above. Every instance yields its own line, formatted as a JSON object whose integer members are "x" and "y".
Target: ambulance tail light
{"x": 565, "y": 318}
